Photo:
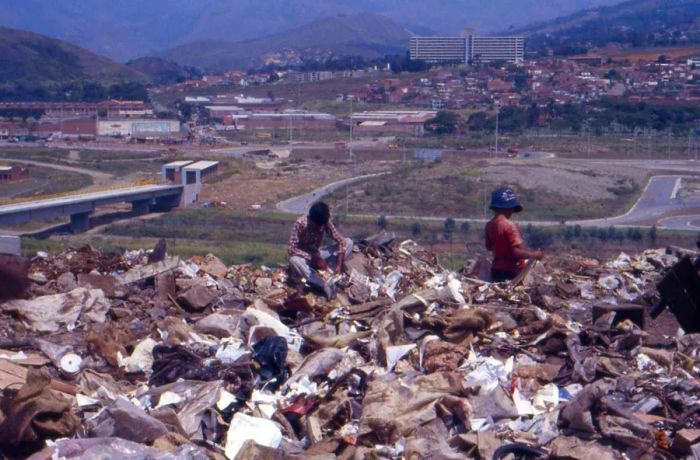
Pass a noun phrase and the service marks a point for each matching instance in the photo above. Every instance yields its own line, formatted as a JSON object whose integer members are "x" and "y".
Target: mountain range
{"x": 366, "y": 35}
{"x": 127, "y": 29}
{"x": 633, "y": 24}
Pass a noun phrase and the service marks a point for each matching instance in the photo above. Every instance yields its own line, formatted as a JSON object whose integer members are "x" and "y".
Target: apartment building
{"x": 439, "y": 49}
{"x": 468, "y": 48}
{"x": 492, "y": 49}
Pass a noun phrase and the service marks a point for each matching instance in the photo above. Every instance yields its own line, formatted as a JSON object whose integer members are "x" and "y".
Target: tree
{"x": 415, "y": 229}
{"x": 381, "y": 222}
{"x": 444, "y": 123}
{"x": 464, "y": 227}
{"x": 448, "y": 227}
{"x": 520, "y": 82}
{"x": 653, "y": 234}
{"x": 448, "y": 230}
{"x": 569, "y": 234}
{"x": 577, "y": 231}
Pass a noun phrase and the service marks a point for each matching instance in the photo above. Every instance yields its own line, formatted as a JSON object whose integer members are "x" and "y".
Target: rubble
{"x": 142, "y": 355}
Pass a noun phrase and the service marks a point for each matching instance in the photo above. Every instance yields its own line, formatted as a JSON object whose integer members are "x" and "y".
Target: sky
{"x": 125, "y": 29}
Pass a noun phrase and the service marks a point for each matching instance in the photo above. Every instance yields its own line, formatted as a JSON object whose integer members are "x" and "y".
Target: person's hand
{"x": 538, "y": 255}
{"x": 319, "y": 263}
{"x": 339, "y": 265}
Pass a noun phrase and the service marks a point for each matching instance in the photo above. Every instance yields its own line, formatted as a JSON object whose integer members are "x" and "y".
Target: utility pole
{"x": 352, "y": 126}
{"x": 588, "y": 134}
{"x": 498, "y": 112}
{"x": 690, "y": 149}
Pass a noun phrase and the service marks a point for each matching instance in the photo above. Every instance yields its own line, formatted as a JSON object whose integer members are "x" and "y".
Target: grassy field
{"x": 118, "y": 163}
{"x": 261, "y": 238}
{"x": 462, "y": 188}
{"x": 44, "y": 181}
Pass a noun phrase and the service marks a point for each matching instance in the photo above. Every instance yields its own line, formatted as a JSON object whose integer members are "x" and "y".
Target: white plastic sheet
{"x": 244, "y": 427}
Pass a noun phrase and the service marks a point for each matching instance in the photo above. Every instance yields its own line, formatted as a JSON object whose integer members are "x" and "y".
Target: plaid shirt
{"x": 306, "y": 239}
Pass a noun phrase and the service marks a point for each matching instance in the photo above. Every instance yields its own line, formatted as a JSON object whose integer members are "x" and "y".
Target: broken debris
{"x": 150, "y": 356}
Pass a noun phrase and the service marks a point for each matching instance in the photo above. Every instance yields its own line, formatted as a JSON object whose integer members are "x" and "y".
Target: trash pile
{"x": 143, "y": 355}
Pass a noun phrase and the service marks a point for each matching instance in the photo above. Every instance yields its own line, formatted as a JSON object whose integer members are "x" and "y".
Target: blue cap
{"x": 504, "y": 198}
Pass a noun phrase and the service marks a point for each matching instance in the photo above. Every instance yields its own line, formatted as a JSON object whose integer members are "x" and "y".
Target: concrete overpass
{"x": 143, "y": 199}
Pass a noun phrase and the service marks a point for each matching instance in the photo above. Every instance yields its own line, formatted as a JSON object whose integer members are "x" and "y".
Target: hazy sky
{"x": 125, "y": 29}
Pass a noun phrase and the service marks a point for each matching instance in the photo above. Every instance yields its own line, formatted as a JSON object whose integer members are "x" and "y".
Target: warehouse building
{"x": 134, "y": 127}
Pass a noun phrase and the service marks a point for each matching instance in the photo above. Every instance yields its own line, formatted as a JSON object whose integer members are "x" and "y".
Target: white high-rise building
{"x": 468, "y": 48}
{"x": 490, "y": 49}
{"x": 438, "y": 49}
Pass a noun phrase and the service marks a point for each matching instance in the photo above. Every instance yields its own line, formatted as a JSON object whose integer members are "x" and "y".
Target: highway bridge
{"x": 143, "y": 199}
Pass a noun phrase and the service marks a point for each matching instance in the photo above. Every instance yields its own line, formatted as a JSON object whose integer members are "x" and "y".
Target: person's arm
{"x": 293, "y": 248}
{"x": 518, "y": 245}
{"x": 333, "y": 232}
{"x": 521, "y": 253}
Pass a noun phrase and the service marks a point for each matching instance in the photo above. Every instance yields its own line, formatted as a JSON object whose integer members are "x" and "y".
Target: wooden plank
{"x": 15, "y": 375}
{"x": 32, "y": 359}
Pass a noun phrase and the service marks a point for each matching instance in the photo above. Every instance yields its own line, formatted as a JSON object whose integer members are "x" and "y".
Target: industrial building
{"x": 288, "y": 119}
{"x": 136, "y": 127}
{"x": 468, "y": 48}
{"x": 410, "y": 122}
{"x": 189, "y": 172}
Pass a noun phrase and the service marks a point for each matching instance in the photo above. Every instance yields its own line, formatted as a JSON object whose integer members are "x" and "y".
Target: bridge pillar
{"x": 80, "y": 222}
{"x": 141, "y": 206}
{"x": 167, "y": 203}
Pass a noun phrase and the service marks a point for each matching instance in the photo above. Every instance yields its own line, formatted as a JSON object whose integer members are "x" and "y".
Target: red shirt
{"x": 502, "y": 236}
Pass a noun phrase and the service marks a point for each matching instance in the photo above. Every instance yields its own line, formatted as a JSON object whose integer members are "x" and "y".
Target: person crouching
{"x": 306, "y": 255}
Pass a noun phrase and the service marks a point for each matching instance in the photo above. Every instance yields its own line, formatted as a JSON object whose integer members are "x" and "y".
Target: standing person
{"x": 503, "y": 237}
{"x": 306, "y": 255}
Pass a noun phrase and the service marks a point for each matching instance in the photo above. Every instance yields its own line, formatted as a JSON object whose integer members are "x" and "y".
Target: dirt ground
{"x": 551, "y": 189}
{"x": 262, "y": 182}
{"x": 566, "y": 178}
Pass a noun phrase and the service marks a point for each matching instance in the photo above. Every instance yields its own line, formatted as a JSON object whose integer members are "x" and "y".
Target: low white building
{"x": 131, "y": 127}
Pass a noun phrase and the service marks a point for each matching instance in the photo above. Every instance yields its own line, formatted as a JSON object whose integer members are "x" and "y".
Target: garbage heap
{"x": 142, "y": 355}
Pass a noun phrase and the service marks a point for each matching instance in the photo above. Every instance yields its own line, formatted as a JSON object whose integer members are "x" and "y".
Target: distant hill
{"x": 366, "y": 35}
{"x": 34, "y": 66}
{"x": 34, "y": 58}
{"x": 161, "y": 71}
{"x": 632, "y": 24}
{"x": 127, "y": 29}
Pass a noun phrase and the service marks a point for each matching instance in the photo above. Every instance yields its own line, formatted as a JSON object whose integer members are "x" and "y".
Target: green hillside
{"x": 633, "y": 24}
{"x": 36, "y": 67}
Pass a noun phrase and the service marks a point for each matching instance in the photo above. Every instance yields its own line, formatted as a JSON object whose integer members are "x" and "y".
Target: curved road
{"x": 300, "y": 204}
{"x": 659, "y": 198}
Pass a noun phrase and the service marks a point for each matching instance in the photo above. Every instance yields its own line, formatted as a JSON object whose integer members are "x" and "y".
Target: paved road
{"x": 300, "y": 204}
{"x": 660, "y": 197}
{"x": 691, "y": 222}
